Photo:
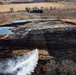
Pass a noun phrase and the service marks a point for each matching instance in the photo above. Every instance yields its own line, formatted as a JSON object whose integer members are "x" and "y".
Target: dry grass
{"x": 43, "y": 54}
{"x": 2, "y": 36}
{"x": 69, "y": 20}
{"x": 7, "y": 18}
{"x": 16, "y": 7}
{"x": 61, "y": 12}
{"x": 69, "y": 5}
{"x": 59, "y": 5}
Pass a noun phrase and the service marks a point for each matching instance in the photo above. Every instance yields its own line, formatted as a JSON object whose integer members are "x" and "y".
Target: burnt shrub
{"x": 64, "y": 67}
{"x": 68, "y": 67}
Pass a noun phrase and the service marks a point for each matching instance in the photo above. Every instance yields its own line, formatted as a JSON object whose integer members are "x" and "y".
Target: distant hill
{"x": 25, "y": 1}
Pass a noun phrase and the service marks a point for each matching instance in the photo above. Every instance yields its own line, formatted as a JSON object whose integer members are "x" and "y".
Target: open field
{"x": 8, "y": 18}
{"x": 62, "y": 10}
{"x": 58, "y": 5}
{"x": 16, "y": 7}
{"x": 55, "y": 40}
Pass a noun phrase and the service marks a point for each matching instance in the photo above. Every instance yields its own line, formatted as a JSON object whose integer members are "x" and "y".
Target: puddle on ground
{"x": 6, "y": 30}
{"x": 29, "y": 20}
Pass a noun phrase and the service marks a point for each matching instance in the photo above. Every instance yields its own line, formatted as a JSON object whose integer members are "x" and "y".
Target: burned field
{"x": 55, "y": 39}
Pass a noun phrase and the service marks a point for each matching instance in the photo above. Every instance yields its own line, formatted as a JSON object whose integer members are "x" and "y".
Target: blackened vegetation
{"x": 40, "y": 69}
{"x": 15, "y": 24}
{"x": 60, "y": 43}
{"x": 12, "y": 44}
{"x": 64, "y": 67}
{"x": 34, "y": 10}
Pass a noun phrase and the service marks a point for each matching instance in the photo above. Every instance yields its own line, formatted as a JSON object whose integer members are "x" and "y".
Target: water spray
{"x": 20, "y": 65}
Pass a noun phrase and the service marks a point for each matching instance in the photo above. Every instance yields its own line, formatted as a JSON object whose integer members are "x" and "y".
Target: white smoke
{"x": 21, "y": 65}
